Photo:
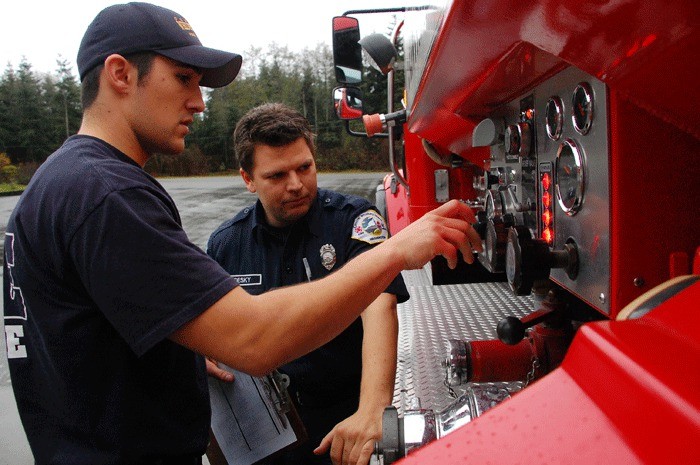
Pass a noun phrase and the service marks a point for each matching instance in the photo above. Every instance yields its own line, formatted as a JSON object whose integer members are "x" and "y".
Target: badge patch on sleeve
{"x": 370, "y": 227}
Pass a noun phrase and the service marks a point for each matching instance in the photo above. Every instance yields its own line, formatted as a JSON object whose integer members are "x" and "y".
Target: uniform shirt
{"x": 98, "y": 273}
{"x": 337, "y": 228}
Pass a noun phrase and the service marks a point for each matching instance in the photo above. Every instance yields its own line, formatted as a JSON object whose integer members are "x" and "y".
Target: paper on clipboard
{"x": 252, "y": 418}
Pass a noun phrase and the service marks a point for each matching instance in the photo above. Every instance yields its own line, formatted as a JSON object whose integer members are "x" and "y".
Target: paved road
{"x": 204, "y": 203}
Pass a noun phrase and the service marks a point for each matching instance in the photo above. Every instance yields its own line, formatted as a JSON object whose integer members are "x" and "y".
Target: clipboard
{"x": 252, "y": 419}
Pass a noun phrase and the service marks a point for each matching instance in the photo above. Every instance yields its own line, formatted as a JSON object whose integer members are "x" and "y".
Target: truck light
{"x": 547, "y": 213}
{"x": 546, "y": 181}
{"x": 546, "y": 200}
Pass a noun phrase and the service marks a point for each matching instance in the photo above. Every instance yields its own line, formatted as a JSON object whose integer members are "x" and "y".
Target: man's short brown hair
{"x": 273, "y": 124}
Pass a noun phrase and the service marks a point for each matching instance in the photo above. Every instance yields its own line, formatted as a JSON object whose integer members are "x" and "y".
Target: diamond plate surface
{"x": 432, "y": 316}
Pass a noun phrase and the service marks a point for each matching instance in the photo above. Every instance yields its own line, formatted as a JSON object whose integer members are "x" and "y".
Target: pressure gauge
{"x": 554, "y": 118}
{"x": 517, "y": 139}
{"x": 582, "y": 108}
{"x": 570, "y": 177}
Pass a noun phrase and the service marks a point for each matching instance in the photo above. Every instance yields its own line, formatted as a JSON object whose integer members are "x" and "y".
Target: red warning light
{"x": 547, "y": 235}
{"x": 546, "y": 200}
{"x": 546, "y": 181}
{"x": 547, "y": 218}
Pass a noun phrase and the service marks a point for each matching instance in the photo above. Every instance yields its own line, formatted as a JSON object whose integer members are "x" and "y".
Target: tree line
{"x": 38, "y": 111}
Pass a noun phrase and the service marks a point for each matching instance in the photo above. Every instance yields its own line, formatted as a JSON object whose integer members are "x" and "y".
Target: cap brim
{"x": 219, "y": 68}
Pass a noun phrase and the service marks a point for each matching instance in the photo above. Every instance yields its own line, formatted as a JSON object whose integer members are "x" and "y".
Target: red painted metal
{"x": 494, "y": 361}
{"x": 396, "y": 204}
{"x": 420, "y": 175}
{"x": 678, "y": 264}
{"x": 654, "y": 189}
{"x": 489, "y": 53}
{"x": 627, "y": 391}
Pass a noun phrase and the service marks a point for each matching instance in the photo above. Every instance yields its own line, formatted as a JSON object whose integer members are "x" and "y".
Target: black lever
{"x": 511, "y": 330}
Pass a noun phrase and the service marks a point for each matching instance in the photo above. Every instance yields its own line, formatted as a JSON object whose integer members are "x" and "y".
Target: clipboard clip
{"x": 276, "y": 387}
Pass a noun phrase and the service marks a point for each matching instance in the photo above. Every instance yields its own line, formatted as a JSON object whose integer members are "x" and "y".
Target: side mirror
{"x": 347, "y": 52}
{"x": 348, "y": 102}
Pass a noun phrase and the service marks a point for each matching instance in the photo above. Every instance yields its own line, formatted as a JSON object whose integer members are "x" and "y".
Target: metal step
{"x": 432, "y": 316}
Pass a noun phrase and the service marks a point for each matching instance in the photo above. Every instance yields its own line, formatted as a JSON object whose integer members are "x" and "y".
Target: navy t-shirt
{"x": 98, "y": 273}
{"x": 337, "y": 228}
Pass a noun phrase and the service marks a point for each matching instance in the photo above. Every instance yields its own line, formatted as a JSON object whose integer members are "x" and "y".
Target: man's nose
{"x": 196, "y": 103}
{"x": 294, "y": 182}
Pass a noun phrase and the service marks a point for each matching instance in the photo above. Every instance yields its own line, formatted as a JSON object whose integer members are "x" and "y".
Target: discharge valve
{"x": 529, "y": 260}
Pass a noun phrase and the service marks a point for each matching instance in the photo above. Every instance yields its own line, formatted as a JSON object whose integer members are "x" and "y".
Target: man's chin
{"x": 295, "y": 213}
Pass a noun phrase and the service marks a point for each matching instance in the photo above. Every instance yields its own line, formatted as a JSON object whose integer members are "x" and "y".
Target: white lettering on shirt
{"x": 14, "y": 348}
{"x": 248, "y": 279}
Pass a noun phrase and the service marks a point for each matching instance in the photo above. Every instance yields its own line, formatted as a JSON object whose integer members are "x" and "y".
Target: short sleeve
{"x": 368, "y": 230}
{"x": 141, "y": 270}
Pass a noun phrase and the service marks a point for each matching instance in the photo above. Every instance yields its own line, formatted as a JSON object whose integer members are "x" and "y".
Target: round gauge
{"x": 570, "y": 176}
{"x": 554, "y": 117}
{"x": 582, "y": 108}
{"x": 517, "y": 139}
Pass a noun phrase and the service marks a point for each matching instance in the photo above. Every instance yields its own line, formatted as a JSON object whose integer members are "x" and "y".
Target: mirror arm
{"x": 376, "y": 10}
{"x": 361, "y": 134}
{"x": 390, "y": 105}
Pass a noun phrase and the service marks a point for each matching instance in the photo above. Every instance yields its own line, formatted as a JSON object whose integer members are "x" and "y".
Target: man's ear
{"x": 249, "y": 184}
{"x": 119, "y": 74}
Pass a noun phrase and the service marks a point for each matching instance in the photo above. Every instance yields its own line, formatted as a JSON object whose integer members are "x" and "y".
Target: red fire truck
{"x": 571, "y": 127}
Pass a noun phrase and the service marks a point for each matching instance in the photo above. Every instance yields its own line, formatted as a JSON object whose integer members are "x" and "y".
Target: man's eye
{"x": 184, "y": 78}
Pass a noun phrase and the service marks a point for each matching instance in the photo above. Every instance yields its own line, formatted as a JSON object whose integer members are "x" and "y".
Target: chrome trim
{"x": 559, "y": 116}
{"x": 588, "y": 100}
{"x": 571, "y": 210}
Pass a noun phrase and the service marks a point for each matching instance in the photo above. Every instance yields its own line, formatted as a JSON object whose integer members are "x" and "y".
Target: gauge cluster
{"x": 556, "y": 147}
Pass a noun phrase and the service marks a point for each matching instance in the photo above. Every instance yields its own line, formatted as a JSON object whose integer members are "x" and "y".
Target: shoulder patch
{"x": 370, "y": 227}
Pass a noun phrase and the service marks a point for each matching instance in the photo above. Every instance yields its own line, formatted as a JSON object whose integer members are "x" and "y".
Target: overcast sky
{"x": 43, "y": 30}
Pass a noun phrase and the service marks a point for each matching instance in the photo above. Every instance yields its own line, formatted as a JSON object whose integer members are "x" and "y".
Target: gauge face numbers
{"x": 582, "y": 108}
{"x": 554, "y": 118}
{"x": 570, "y": 177}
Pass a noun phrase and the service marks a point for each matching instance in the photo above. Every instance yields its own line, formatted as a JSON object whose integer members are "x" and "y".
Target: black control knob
{"x": 529, "y": 260}
{"x": 511, "y": 330}
{"x": 480, "y": 225}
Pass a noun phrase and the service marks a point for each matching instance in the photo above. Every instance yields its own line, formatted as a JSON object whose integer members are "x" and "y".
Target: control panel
{"x": 546, "y": 194}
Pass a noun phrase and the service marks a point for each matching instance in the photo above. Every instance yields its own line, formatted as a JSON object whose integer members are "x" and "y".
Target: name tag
{"x": 248, "y": 279}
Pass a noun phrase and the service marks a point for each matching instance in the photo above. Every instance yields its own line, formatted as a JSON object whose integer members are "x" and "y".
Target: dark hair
{"x": 90, "y": 86}
{"x": 273, "y": 124}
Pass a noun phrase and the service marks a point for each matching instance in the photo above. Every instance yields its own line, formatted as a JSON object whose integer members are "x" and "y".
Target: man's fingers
{"x": 216, "y": 372}
{"x": 366, "y": 453}
{"x": 455, "y": 208}
{"x": 337, "y": 450}
{"x": 325, "y": 444}
{"x": 475, "y": 240}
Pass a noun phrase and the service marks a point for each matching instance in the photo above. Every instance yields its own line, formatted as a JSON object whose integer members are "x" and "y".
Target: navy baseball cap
{"x": 143, "y": 27}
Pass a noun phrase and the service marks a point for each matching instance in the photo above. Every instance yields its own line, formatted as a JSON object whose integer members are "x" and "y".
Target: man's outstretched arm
{"x": 251, "y": 334}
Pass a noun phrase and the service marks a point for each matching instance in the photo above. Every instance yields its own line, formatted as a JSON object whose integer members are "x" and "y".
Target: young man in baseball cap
{"x": 109, "y": 307}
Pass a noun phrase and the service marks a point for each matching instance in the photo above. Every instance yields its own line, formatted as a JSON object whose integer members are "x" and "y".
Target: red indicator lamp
{"x": 546, "y": 200}
{"x": 547, "y": 235}
{"x": 546, "y": 182}
{"x": 547, "y": 216}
